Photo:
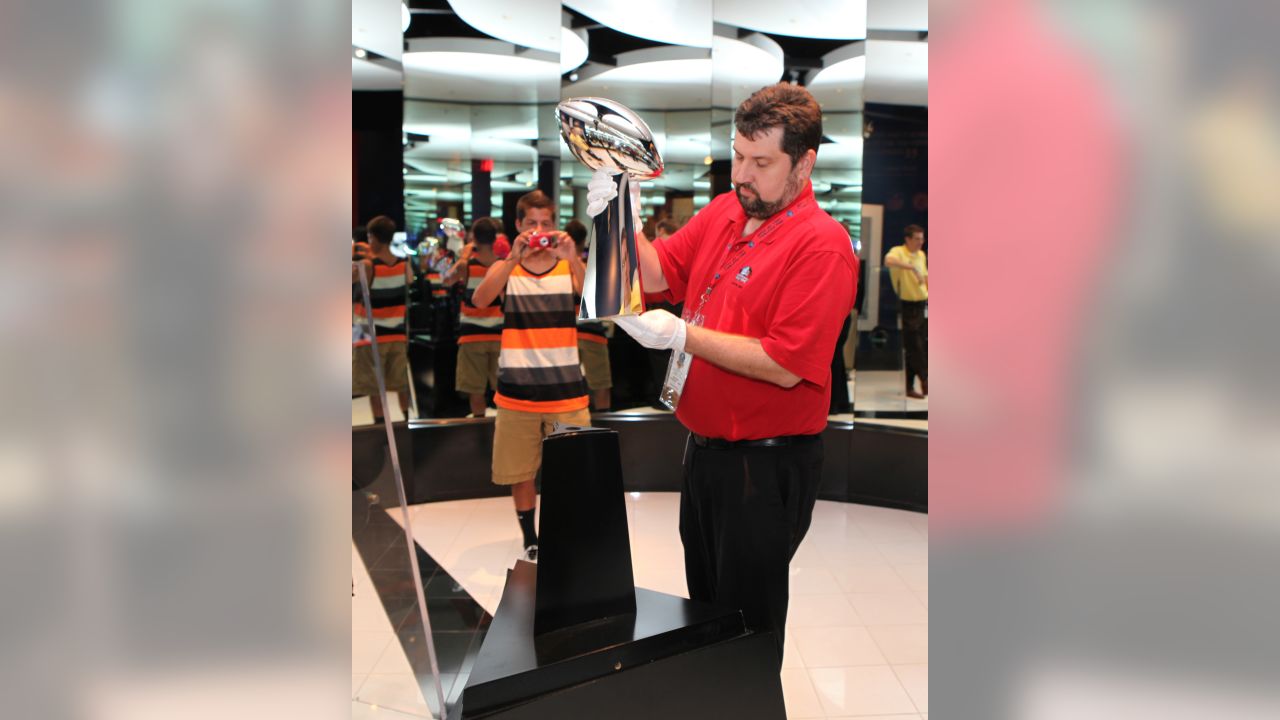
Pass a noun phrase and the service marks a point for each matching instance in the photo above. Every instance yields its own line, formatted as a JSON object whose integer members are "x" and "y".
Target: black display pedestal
{"x": 673, "y": 659}
{"x": 584, "y": 551}
{"x": 582, "y": 642}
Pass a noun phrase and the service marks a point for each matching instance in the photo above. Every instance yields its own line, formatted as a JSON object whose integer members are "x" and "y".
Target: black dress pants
{"x": 743, "y": 513}
{"x": 915, "y": 340}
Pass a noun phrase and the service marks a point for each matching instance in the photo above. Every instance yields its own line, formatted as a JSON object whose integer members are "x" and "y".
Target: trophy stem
{"x": 612, "y": 283}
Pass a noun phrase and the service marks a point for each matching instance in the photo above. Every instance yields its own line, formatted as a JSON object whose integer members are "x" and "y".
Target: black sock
{"x": 526, "y": 526}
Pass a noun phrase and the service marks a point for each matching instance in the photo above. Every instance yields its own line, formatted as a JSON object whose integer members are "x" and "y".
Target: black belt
{"x": 784, "y": 441}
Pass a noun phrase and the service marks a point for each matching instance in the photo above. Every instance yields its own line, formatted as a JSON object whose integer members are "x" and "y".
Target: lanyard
{"x": 727, "y": 262}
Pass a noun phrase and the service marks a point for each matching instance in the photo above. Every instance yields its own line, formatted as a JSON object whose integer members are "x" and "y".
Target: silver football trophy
{"x": 605, "y": 134}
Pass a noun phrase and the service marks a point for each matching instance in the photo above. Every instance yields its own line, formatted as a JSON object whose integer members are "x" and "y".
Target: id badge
{"x": 678, "y": 367}
{"x": 673, "y": 385}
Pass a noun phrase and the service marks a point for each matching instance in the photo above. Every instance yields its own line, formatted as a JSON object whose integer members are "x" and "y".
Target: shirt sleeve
{"x": 809, "y": 310}
{"x": 676, "y": 253}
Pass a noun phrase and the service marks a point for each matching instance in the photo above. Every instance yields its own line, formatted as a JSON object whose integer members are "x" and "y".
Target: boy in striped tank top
{"x": 479, "y": 329}
{"x": 539, "y": 378}
{"x": 389, "y": 279}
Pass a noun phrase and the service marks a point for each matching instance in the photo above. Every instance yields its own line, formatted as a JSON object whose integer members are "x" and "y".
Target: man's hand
{"x": 600, "y": 190}
{"x": 361, "y": 251}
{"x": 655, "y": 329}
{"x": 468, "y": 252}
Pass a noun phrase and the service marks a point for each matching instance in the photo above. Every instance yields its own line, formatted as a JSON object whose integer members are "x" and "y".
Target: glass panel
{"x": 392, "y": 652}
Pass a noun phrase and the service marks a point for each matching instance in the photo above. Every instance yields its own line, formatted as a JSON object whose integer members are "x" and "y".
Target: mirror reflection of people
{"x": 540, "y": 378}
{"x": 443, "y": 313}
{"x": 909, "y": 274}
{"x": 479, "y": 329}
{"x": 767, "y": 279}
{"x": 438, "y": 262}
{"x": 593, "y": 342}
{"x": 389, "y": 279}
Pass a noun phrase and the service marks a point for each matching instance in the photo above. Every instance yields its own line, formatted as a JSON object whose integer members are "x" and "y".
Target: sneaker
{"x": 531, "y": 553}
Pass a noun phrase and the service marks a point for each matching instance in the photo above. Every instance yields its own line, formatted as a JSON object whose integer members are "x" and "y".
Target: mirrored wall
{"x": 481, "y": 82}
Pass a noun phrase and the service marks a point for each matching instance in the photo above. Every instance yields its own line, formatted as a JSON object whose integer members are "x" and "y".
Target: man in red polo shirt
{"x": 767, "y": 278}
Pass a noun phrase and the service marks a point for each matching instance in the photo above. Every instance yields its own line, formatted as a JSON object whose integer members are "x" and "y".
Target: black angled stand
{"x": 573, "y": 637}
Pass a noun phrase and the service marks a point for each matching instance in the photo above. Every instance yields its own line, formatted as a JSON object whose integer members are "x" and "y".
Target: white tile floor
{"x": 362, "y": 409}
{"x": 382, "y": 682}
{"x": 882, "y": 390}
{"x": 858, "y": 632}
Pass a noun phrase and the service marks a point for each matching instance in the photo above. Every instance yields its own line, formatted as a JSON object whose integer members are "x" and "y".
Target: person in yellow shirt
{"x": 909, "y": 273}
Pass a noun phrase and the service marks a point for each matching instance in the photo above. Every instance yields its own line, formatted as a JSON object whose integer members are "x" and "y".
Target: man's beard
{"x": 762, "y": 210}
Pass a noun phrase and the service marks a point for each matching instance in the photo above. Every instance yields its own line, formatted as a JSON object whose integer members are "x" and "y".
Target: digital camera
{"x": 544, "y": 241}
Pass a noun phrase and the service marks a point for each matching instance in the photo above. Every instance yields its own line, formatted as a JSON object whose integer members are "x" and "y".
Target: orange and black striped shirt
{"x": 478, "y": 324}
{"x": 538, "y": 368}
{"x": 387, "y": 292}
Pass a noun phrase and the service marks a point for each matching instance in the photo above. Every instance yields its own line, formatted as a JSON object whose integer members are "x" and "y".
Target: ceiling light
{"x": 673, "y": 22}
{"x": 405, "y": 17}
{"x": 821, "y": 19}
{"x": 751, "y": 60}
{"x": 360, "y": 53}
{"x": 468, "y": 69}
{"x": 573, "y": 50}
{"x": 527, "y": 24}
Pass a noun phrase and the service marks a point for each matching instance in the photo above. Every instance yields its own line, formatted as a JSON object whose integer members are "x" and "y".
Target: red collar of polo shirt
{"x": 739, "y": 216}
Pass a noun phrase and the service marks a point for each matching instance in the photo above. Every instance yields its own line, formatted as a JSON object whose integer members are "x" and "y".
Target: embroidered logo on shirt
{"x": 744, "y": 274}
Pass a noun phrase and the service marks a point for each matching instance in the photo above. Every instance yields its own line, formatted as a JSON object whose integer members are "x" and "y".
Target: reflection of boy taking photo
{"x": 479, "y": 329}
{"x": 388, "y": 278}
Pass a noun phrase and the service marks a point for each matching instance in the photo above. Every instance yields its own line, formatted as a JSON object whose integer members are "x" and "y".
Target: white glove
{"x": 656, "y": 329}
{"x": 600, "y": 190}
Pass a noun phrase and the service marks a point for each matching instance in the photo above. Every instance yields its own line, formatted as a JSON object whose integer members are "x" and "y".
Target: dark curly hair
{"x": 784, "y": 105}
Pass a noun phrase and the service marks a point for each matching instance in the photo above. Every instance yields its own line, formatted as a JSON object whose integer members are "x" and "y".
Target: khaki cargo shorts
{"x": 477, "y": 366}
{"x": 517, "y": 442}
{"x": 395, "y": 369}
